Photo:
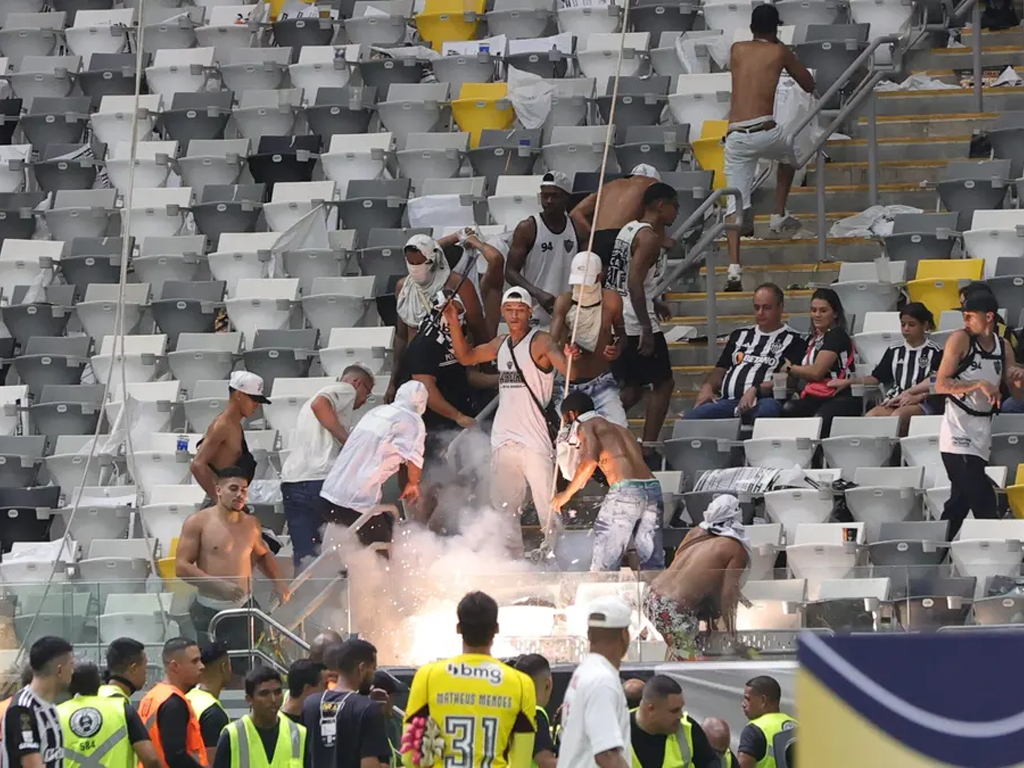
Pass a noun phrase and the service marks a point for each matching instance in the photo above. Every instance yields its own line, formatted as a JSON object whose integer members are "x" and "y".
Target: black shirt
{"x": 542, "y": 739}
{"x": 430, "y": 354}
{"x": 136, "y": 730}
{"x": 172, "y": 719}
{"x": 293, "y": 718}
{"x": 753, "y": 742}
{"x": 268, "y": 736}
{"x": 211, "y": 723}
{"x": 359, "y": 729}
{"x": 751, "y": 356}
{"x": 903, "y": 366}
{"x": 649, "y": 748}
{"x": 31, "y": 727}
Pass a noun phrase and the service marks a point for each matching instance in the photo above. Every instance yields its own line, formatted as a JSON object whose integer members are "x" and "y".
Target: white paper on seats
{"x": 530, "y": 96}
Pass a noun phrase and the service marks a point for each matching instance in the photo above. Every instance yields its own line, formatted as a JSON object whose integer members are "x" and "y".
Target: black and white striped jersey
{"x": 752, "y": 356}
{"x": 31, "y": 726}
{"x": 902, "y": 366}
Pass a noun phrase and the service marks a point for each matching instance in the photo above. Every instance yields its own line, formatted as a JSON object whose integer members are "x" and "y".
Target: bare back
{"x": 222, "y": 545}
{"x": 622, "y": 201}
{"x": 698, "y": 570}
{"x": 756, "y": 67}
{"x": 589, "y": 365}
{"x": 225, "y": 439}
{"x": 618, "y": 453}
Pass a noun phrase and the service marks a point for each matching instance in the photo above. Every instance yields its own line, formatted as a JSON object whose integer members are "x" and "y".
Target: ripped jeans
{"x": 632, "y": 508}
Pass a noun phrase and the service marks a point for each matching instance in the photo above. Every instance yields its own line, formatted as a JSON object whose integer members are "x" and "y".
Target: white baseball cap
{"x": 585, "y": 269}
{"x": 609, "y": 613}
{"x": 513, "y": 295}
{"x": 249, "y": 384}
{"x": 646, "y": 170}
{"x": 556, "y": 179}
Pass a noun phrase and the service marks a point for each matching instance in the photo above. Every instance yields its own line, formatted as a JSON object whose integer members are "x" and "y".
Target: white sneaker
{"x": 777, "y": 224}
{"x": 734, "y": 279}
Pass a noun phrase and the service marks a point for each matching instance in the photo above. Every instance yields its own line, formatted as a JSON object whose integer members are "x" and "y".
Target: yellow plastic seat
{"x": 1015, "y": 494}
{"x": 937, "y": 283}
{"x": 709, "y": 150}
{"x": 168, "y": 574}
{"x": 481, "y": 106}
{"x": 449, "y": 21}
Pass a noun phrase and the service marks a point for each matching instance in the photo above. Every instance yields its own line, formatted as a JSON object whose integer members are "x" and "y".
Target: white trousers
{"x": 514, "y": 468}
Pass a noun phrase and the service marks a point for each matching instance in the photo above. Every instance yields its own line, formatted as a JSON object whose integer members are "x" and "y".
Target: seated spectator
{"x": 741, "y": 382}
{"x": 905, "y": 370}
{"x": 829, "y": 356}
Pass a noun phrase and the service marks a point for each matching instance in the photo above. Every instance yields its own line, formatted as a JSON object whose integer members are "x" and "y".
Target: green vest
{"x": 95, "y": 733}
{"x": 202, "y": 700}
{"x": 727, "y": 760}
{"x": 771, "y": 725}
{"x": 543, "y": 713}
{"x": 678, "y": 747}
{"x": 247, "y": 747}
{"x": 107, "y": 691}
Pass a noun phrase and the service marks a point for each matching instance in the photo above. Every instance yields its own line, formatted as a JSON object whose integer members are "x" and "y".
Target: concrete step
{"x": 689, "y": 378}
{"x": 889, "y": 172}
{"x": 782, "y": 275}
{"x": 950, "y": 102}
{"x": 788, "y": 251}
{"x": 992, "y": 56}
{"x": 684, "y": 304}
{"x": 1012, "y": 36}
{"x": 850, "y": 198}
{"x": 900, "y": 149}
{"x": 928, "y": 125}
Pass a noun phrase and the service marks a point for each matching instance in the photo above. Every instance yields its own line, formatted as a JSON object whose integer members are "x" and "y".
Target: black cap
{"x": 764, "y": 17}
{"x": 980, "y": 301}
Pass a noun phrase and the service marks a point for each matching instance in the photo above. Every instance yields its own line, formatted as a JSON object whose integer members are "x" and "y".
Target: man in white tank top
{"x": 543, "y": 246}
{"x": 974, "y": 363}
{"x": 521, "y": 445}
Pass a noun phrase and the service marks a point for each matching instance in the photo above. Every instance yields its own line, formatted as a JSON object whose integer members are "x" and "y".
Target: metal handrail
{"x": 251, "y": 613}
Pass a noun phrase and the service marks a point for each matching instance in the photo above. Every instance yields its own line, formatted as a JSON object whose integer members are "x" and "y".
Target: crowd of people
{"x": 336, "y": 708}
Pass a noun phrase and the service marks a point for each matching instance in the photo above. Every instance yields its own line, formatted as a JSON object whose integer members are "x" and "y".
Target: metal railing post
{"x": 979, "y": 98}
{"x": 872, "y": 149}
{"x": 822, "y": 220}
{"x": 711, "y": 291}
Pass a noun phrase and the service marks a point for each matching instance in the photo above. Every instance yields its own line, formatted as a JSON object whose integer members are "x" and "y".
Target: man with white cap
{"x": 543, "y": 246}
{"x": 622, "y": 201}
{"x": 525, "y": 424}
{"x": 224, "y": 445}
{"x": 596, "y": 315}
{"x": 429, "y": 272}
{"x": 595, "y": 718}
{"x": 703, "y": 580}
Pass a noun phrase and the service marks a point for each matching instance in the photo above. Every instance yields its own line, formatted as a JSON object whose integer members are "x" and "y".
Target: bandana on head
{"x": 587, "y": 305}
{"x": 724, "y": 517}
{"x": 413, "y": 301}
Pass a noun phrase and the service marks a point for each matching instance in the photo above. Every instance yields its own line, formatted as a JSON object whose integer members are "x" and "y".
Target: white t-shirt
{"x": 595, "y": 718}
{"x": 313, "y": 448}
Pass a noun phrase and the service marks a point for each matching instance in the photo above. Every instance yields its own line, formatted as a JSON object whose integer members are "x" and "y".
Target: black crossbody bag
{"x": 551, "y": 417}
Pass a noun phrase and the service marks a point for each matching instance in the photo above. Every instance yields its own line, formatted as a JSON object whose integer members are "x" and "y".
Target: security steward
{"x": 126, "y": 668}
{"x": 769, "y": 731}
{"x": 205, "y": 696}
{"x": 167, "y": 714}
{"x": 102, "y": 731}
{"x": 662, "y": 736}
{"x": 264, "y": 738}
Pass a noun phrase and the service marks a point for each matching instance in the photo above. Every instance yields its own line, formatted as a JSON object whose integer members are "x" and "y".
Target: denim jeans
{"x": 302, "y": 511}
{"x": 726, "y": 409}
{"x": 603, "y": 390}
{"x": 632, "y": 508}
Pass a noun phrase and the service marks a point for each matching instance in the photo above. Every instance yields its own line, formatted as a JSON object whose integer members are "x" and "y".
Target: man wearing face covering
{"x": 429, "y": 273}
{"x": 386, "y": 438}
{"x": 600, "y": 334}
{"x": 704, "y": 579}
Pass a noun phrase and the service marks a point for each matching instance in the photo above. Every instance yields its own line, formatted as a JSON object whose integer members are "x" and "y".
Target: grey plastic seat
{"x": 384, "y": 26}
{"x": 67, "y": 410}
{"x": 377, "y": 204}
{"x": 1007, "y": 451}
{"x": 910, "y": 554}
{"x": 18, "y": 214}
{"x": 299, "y": 32}
{"x": 917, "y": 236}
{"x": 267, "y": 112}
{"x": 967, "y": 186}
{"x": 1009, "y": 293}
{"x": 229, "y": 208}
{"x": 699, "y": 445}
{"x": 937, "y": 602}
{"x": 458, "y": 69}
{"x": 97, "y": 311}
{"x": 92, "y": 259}
{"x": 656, "y": 16}
{"x": 1009, "y": 266}
{"x": 40, "y": 318}
{"x": 57, "y": 120}
{"x": 998, "y": 610}
{"x": 201, "y": 115}
{"x": 168, "y": 258}
{"x": 20, "y": 459}
{"x": 414, "y": 108}
{"x": 640, "y": 100}
{"x": 830, "y": 49}
{"x": 27, "y": 513}
{"x": 284, "y": 158}
{"x": 109, "y": 74}
{"x": 281, "y": 354}
{"x": 204, "y": 356}
{"x": 549, "y": 64}
{"x": 423, "y": 156}
{"x": 31, "y": 35}
{"x": 67, "y": 166}
{"x": 341, "y": 111}
{"x": 45, "y": 76}
{"x": 187, "y": 307}
{"x": 308, "y": 264}
{"x": 384, "y": 254}
{"x": 381, "y": 74}
{"x": 505, "y": 153}
{"x": 81, "y": 213}
{"x": 52, "y": 360}
{"x": 254, "y": 69}
{"x": 660, "y": 146}
{"x": 213, "y": 161}
{"x": 1007, "y": 139}
{"x": 338, "y": 302}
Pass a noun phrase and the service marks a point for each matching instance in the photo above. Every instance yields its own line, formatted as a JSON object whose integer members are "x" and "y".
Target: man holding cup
{"x": 744, "y": 379}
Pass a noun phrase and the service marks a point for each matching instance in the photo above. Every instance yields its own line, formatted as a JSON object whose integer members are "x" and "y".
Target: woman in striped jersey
{"x": 905, "y": 370}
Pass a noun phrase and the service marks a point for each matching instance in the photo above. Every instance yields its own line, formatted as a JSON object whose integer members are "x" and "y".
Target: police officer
{"x": 769, "y": 730}
{"x": 264, "y": 738}
{"x": 126, "y": 668}
{"x": 662, "y": 735}
{"x": 205, "y": 697}
{"x": 102, "y": 731}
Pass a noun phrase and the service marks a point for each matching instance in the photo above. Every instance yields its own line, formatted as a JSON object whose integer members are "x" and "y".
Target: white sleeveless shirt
{"x": 618, "y": 277}
{"x": 517, "y": 419}
{"x": 548, "y": 262}
{"x": 967, "y": 419}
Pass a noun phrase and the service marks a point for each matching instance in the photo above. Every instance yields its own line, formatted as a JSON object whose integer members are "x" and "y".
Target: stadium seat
{"x": 66, "y": 410}
{"x": 21, "y": 261}
{"x": 13, "y": 409}
{"x": 378, "y": 23}
{"x": 254, "y": 69}
{"x": 970, "y": 185}
{"x": 774, "y": 605}
{"x": 158, "y": 461}
{"x": 297, "y": 32}
{"x": 937, "y": 282}
{"x": 45, "y": 76}
{"x": 547, "y": 57}
{"x": 863, "y": 289}
{"x": 377, "y": 204}
{"x": 157, "y": 211}
{"x": 262, "y": 303}
{"x": 213, "y": 161}
{"x": 18, "y": 214}
{"x": 187, "y": 307}
{"x": 168, "y": 27}
{"x": 60, "y": 120}
{"x": 177, "y": 70}
{"x": 847, "y": 605}
{"x": 99, "y": 31}
{"x": 987, "y": 548}
{"x": 640, "y": 102}
{"x": 115, "y": 566}
{"x": 765, "y": 542}
{"x": 994, "y": 235}
{"x": 143, "y": 617}
{"x": 323, "y": 66}
{"x": 357, "y": 157}
{"x": 80, "y": 213}
{"x": 935, "y": 498}
{"x": 884, "y": 495}
{"x": 443, "y": 21}
{"x": 269, "y": 113}
{"x": 45, "y": 317}
{"x": 660, "y": 146}
{"x": 241, "y": 255}
{"x": 136, "y": 356}
{"x": 343, "y": 110}
{"x": 783, "y": 443}
{"x": 664, "y": 58}
{"x": 204, "y": 356}
{"x": 729, "y": 17}
{"x": 809, "y": 11}
{"x": 67, "y": 464}
{"x": 168, "y": 258}
{"x": 910, "y": 554}
{"x": 291, "y": 201}
{"x": 519, "y": 19}
{"x": 21, "y": 456}
{"x": 151, "y": 407}
{"x": 283, "y": 354}
{"x": 791, "y": 507}
{"x": 654, "y": 16}
{"x": 1006, "y": 136}
{"x": 830, "y": 49}
{"x": 505, "y": 152}
{"x": 824, "y": 551}
{"x": 112, "y": 122}
{"x": 423, "y": 156}
{"x": 334, "y": 302}
{"x": 448, "y": 202}
{"x": 230, "y": 26}
{"x": 164, "y": 520}
{"x": 31, "y": 34}
{"x": 63, "y": 613}
{"x": 697, "y": 98}
{"x": 370, "y": 347}
{"x": 515, "y": 198}
{"x": 205, "y": 400}
{"x": 920, "y": 448}
{"x": 858, "y": 442}
{"x": 307, "y": 264}
{"x": 699, "y": 445}
{"x": 575, "y": 149}
{"x": 195, "y": 116}
{"x": 52, "y": 360}
{"x": 225, "y": 208}
{"x": 109, "y": 74}
{"x": 585, "y": 21}
{"x": 152, "y": 163}
{"x": 886, "y": 17}
{"x": 598, "y": 55}
{"x": 417, "y": 108}
{"x": 287, "y": 396}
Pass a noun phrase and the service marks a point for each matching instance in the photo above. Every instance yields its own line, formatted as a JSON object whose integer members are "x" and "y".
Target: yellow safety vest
{"x": 727, "y": 760}
{"x": 772, "y": 725}
{"x": 202, "y": 700}
{"x": 109, "y": 691}
{"x": 543, "y": 713}
{"x": 247, "y": 747}
{"x": 678, "y": 747}
{"x": 95, "y": 733}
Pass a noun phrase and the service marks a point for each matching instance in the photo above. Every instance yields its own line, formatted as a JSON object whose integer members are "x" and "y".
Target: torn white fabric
{"x": 567, "y": 445}
{"x": 693, "y": 49}
{"x": 531, "y": 97}
{"x": 724, "y": 517}
{"x": 876, "y": 221}
{"x": 917, "y": 82}
{"x": 1008, "y": 77}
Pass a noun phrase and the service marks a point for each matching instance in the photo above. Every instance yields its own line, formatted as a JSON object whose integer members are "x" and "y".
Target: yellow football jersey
{"x": 479, "y": 705}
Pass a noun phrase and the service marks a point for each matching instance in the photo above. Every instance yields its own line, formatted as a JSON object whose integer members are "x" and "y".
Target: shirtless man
{"x": 622, "y": 201}
{"x": 223, "y": 445}
{"x": 634, "y": 500}
{"x": 216, "y": 552}
{"x": 753, "y": 133}
{"x": 600, "y": 335}
{"x": 704, "y": 577}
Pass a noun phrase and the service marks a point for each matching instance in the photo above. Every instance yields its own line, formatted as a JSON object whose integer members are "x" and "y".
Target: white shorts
{"x": 742, "y": 153}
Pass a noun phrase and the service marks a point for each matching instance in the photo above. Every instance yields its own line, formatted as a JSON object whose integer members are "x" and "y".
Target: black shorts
{"x": 232, "y": 632}
{"x": 604, "y": 244}
{"x": 378, "y": 529}
{"x": 633, "y": 369}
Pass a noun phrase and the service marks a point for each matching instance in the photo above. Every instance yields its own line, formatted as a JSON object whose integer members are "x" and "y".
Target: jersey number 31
{"x": 462, "y": 732}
